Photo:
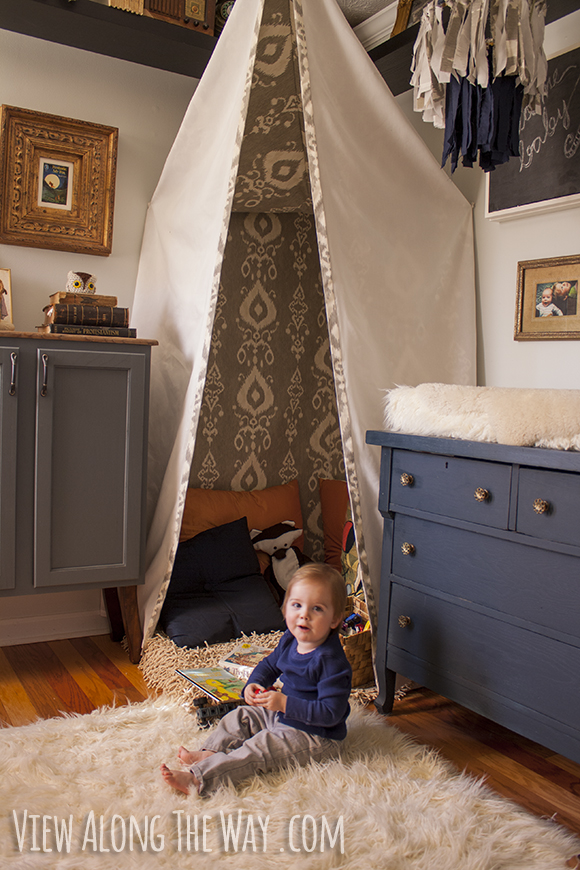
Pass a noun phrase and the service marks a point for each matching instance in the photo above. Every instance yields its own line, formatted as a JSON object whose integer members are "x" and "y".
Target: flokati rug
{"x": 84, "y": 792}
{"x": 506, "y": 415}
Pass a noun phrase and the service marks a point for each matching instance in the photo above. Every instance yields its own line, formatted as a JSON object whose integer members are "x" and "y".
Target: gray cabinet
{"x": 480, "y": 580}
{"x": 8, "y": 421}
{"x": 73, "y": 431}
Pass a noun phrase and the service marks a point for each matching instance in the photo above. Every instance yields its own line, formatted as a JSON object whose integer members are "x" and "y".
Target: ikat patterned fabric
{"x": 273, "y": 171}
{"x": 269, "y": 410}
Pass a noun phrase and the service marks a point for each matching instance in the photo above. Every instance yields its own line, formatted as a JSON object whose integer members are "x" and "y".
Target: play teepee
{"x": 300, "y": 212}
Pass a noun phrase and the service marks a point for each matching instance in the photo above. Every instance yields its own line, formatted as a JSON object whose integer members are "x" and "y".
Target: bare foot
{"x": 181, "y": 780}
{"x": 192, "y": 757}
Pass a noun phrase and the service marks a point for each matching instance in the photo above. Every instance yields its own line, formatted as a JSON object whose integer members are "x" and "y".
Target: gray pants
{"x": 250, "y": 740}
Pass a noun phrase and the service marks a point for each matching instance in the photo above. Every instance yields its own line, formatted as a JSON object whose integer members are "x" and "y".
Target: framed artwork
{"x": 57, "y": 182}
{"x": 547, "y": 299}
{"x": 6, "y": 320}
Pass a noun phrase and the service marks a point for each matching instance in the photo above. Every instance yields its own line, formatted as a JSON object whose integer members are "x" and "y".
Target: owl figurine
{"x": 81, "y": 282}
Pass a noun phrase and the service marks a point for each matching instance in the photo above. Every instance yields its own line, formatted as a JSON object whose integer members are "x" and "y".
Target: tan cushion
{"x": 333, "y": 504}
{"x": 208, "y": 508}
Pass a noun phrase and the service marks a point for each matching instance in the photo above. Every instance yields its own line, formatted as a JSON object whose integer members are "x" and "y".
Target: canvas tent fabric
{"x": 394, "y": 243}
{"x": 269, "y": 413}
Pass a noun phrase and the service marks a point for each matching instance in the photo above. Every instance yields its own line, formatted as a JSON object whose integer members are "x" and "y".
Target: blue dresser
{"x": 480, "y": 580}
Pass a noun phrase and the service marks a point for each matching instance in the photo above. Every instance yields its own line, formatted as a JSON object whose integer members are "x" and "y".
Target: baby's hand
{"x": 272, "y": 700}
{"x": 251, "y": 692}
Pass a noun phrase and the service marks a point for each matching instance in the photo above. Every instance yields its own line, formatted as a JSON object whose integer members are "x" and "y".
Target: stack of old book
{"x": 86, "y": 314}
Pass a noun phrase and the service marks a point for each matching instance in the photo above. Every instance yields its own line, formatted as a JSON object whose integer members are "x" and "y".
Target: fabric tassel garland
{"x": 473, "y": 76}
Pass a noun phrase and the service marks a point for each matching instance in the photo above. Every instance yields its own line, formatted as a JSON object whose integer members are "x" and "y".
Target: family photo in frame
{"x": 547, "y": 299}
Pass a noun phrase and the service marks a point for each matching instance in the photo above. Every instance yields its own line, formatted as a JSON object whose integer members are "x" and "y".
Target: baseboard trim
{"x": 36, "y": 629}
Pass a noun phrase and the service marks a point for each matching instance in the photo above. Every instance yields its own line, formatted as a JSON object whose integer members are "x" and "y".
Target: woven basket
{"x": 357, "y": 647}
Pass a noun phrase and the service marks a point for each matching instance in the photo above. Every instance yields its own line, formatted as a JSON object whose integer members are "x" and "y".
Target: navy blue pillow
{"x": 216, "y": 591}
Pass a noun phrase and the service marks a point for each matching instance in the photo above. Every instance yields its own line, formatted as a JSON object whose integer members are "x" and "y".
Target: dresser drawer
{"x": 467, "y": 489}
{"x": 534, "y": 585}
{"x": 475, "y": 649}
{"x": 556, "y": 495}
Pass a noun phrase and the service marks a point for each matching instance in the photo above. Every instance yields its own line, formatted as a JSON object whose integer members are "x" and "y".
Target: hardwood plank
{"x": 48, "y": 684}
{"x": 4, "y": 717}
{"x": 533, "y": 756}
{"x": 116, "y": 653}
{"x": 566, "y": 764}
{"x": 17, "y": 706}
{"x": 85, "y": 676}
{"x": 107, "y": 670}
{"x": 469, "y": 750}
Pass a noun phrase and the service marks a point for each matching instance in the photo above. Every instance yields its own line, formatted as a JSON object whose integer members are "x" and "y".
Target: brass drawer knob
{"x": 408, "y": 549}
{"x": 407, "y": 479}
{"x": 540, "y": 506}
{"x": 481, "y": 494}
{"x": 404, "y": 621}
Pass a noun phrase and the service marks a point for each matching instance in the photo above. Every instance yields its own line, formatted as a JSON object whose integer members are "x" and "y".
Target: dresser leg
{"x": 131, "y": 621}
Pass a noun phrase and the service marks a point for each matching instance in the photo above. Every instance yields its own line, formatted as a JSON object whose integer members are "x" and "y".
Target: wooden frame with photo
{"x": 6, "y": 319}
{"x": 57, "y": 182}
{"x": 547, "y": 299}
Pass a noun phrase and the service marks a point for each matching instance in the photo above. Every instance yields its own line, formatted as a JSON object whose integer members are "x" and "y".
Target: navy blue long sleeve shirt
{"x": 317, "y": 685}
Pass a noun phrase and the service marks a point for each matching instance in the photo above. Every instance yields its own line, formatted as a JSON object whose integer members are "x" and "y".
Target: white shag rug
{"x": 506, "y": 415}
{"x": 85, "y": 792}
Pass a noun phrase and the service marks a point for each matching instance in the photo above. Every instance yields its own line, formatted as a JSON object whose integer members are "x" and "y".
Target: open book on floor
{"x": 218, "y": 683}
{"x": 244, "y": 657}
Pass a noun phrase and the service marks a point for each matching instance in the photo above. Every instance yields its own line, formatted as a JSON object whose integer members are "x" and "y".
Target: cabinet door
{"x": 90, "y": 436}
{"x": 8, "y": 419}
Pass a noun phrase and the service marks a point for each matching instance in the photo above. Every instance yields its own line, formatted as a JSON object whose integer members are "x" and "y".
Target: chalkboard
{"x": 549, "y": 162}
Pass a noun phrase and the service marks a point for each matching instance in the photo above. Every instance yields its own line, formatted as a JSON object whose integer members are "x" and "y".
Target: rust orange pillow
{"x": 208, "y": 508}
{"x": 334, "y": 503}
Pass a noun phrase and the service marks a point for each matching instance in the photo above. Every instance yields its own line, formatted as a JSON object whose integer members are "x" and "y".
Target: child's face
{"x": 309, "y": 614}
{"x": 546, "y": 296}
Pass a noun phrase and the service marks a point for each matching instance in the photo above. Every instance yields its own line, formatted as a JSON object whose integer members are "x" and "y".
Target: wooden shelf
{"x": 102, "y": 29}
{"x": 112, "y": 32}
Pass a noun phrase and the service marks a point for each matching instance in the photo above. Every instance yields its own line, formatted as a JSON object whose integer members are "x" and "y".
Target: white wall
{"x": 147, "y": 106}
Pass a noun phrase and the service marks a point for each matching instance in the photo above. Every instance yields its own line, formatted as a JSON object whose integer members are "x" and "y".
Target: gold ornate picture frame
{"x": 547, "y": 305}
{"x": 6, "y": 317}
{"x": 57, "y": 182}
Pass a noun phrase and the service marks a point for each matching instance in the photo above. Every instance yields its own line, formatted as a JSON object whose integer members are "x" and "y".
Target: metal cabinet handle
{"x": 404, "y": 621}
{"x": 44, "y": 387}
{"x": 407, "y": 479}
{"x": 408, "y": 549}
{"x": 540, "y": 506}
{"x": 481, "y": 494}
{"x": 13, "y": 360}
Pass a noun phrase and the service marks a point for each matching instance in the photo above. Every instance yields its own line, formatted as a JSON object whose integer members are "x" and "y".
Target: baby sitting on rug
{"x": 307, "y": 720}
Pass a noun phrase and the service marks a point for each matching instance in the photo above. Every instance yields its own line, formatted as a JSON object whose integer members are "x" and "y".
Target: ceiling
{"x": 359, "y": 10}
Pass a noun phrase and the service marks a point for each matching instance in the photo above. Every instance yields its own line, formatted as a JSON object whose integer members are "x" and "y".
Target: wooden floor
{"x": 41, "y": 680}
{"x": 44, "y": 679}
{"x": 536, "y": 778}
